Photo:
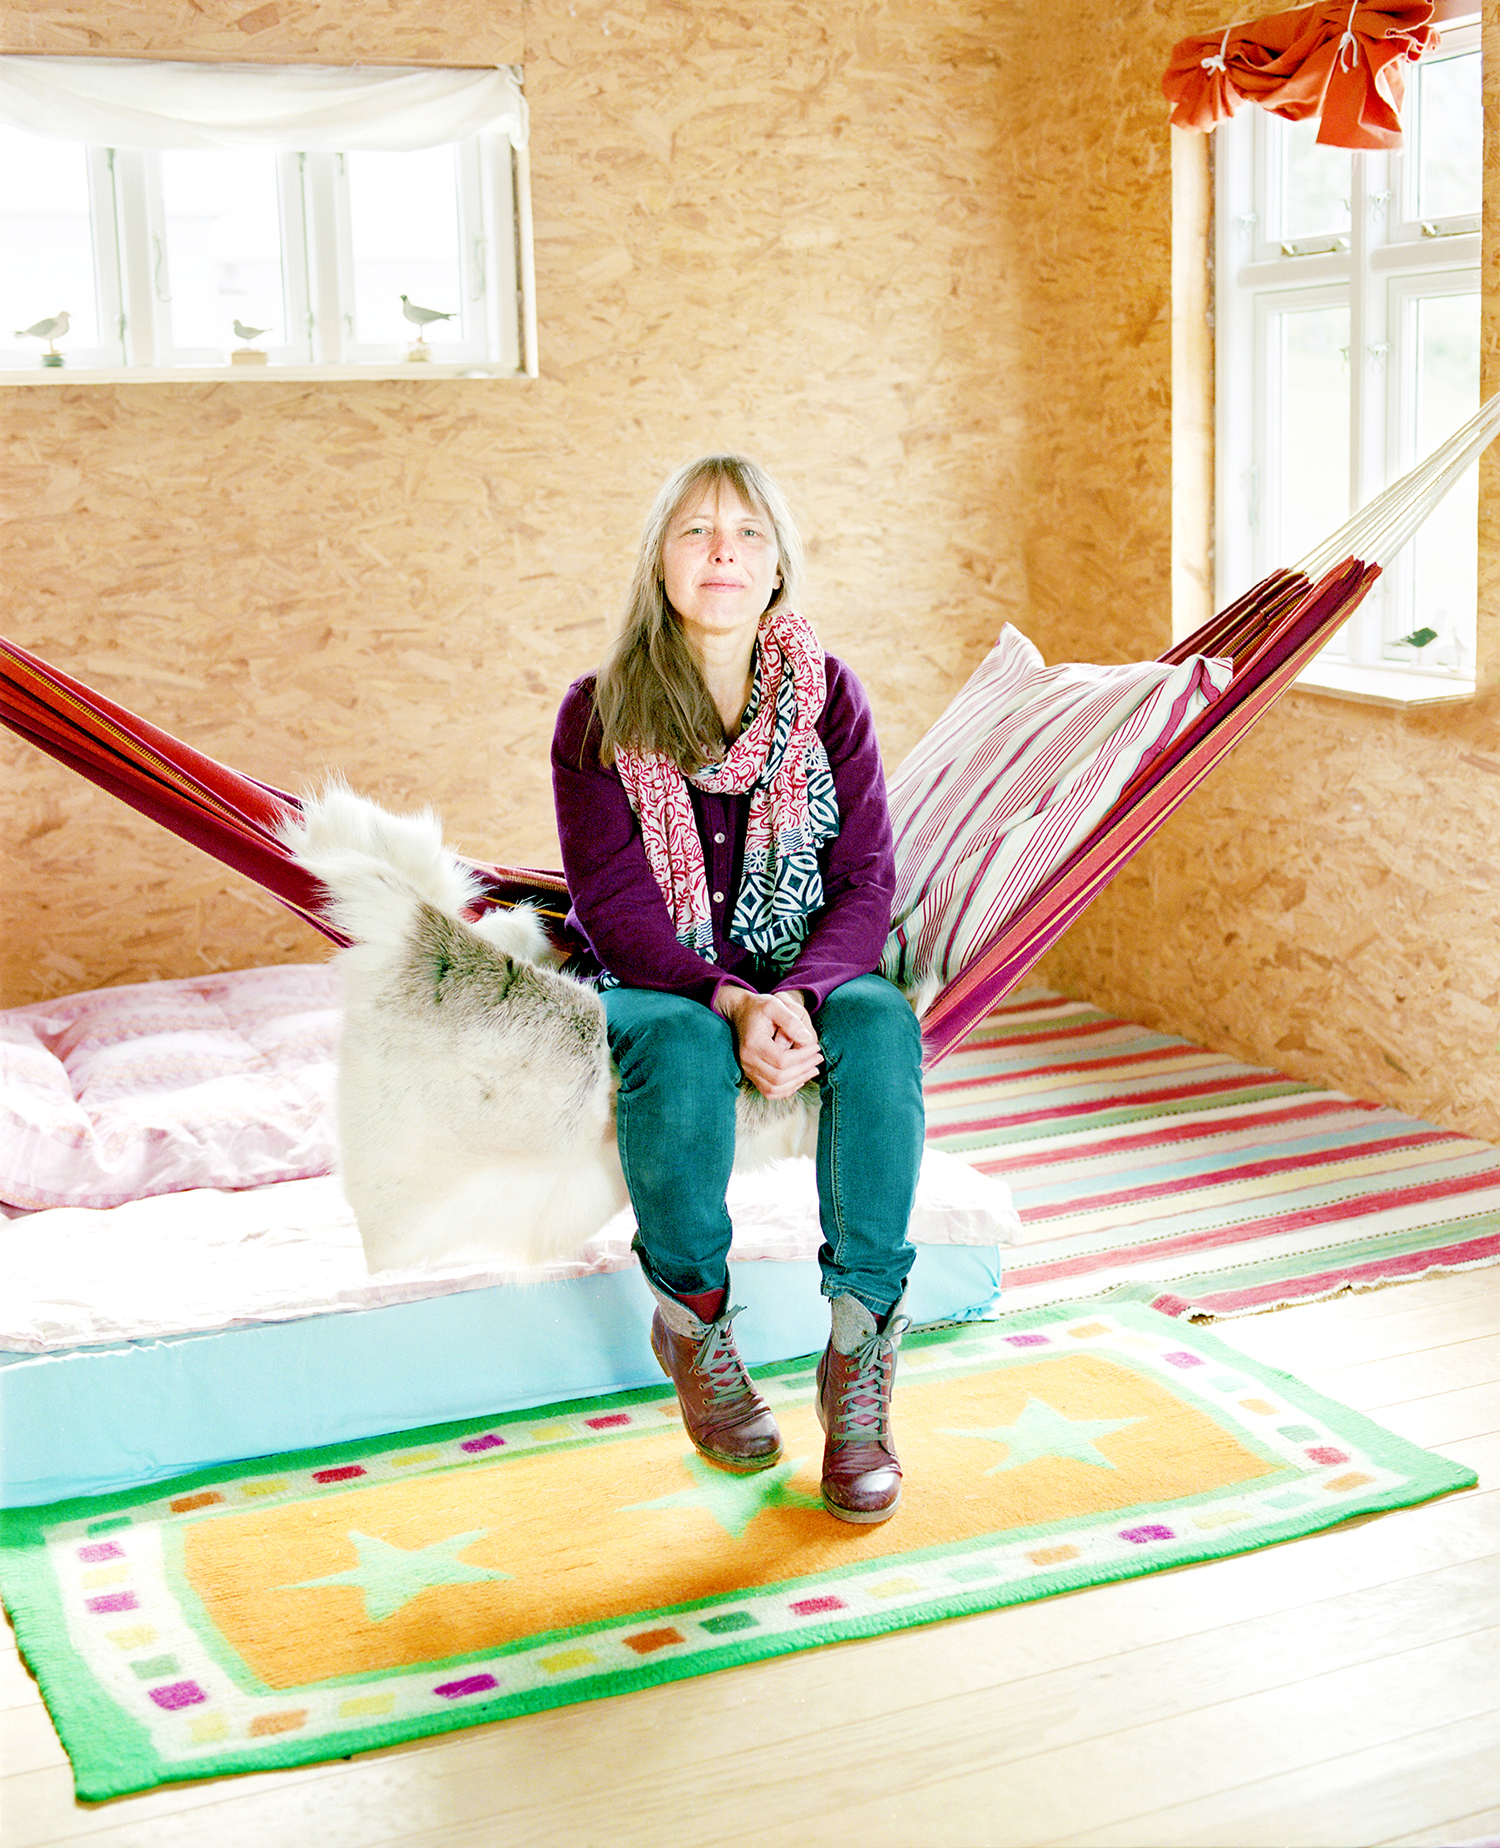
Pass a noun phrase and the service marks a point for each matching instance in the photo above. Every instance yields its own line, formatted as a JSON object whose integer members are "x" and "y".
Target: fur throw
{"x": 475, "y": 1093}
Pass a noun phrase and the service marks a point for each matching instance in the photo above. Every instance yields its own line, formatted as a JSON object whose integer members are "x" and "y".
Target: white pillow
{"x": 210, "y": 1081}
{"x": 1010, "y": 780}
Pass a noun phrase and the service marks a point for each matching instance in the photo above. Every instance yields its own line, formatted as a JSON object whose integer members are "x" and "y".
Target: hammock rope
{"x": 1383, "y": 525}
{"x": 1269, "y": 634}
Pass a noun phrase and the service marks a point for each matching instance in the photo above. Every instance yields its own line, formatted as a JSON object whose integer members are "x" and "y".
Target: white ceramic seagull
{"x": 248, "y": 333}
{"x": 50, "y": 330}
{"x": 420, "y": 318}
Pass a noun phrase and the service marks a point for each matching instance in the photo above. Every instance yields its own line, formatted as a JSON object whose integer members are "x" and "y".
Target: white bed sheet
{"x": 193, "y": 1262}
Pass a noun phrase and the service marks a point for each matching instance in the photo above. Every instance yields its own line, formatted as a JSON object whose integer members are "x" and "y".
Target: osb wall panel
{"x": 781, "y": 230}
{"x": 1326, "y": 902}
{"x": 919, "y": 261}
{"x": 328, "y": 31}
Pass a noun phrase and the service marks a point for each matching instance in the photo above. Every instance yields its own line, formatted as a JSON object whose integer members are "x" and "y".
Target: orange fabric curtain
{"x": 1338, "y": 59}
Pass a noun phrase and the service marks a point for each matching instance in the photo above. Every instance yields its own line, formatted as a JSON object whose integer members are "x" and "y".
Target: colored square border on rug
{"x": 304, "y": 1607}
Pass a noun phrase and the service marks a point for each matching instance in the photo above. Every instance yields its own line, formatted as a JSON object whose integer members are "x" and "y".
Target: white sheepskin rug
{"x": 475, "y": 1094}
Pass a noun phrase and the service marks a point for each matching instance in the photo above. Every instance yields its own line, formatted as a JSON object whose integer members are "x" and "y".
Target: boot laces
{"x": 859, "y": 1416}
{"x": 719, "y": 1365}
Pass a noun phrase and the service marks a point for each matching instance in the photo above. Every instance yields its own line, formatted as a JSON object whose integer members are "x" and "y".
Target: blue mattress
{"x": 90, "y": 1420}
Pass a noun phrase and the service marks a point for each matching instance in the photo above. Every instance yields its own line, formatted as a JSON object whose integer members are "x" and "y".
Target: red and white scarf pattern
{"x": 779, "y": 758}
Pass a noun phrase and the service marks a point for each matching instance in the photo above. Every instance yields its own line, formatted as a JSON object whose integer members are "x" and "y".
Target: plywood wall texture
{"x": 274, "y": 31}
{"x": 1326, "y": 903}
{"x": 917, "y": 258}
{"x": 777, "y": 228}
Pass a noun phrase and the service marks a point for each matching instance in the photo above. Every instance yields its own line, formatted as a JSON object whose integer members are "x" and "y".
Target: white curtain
{"x": 144, "y": 103}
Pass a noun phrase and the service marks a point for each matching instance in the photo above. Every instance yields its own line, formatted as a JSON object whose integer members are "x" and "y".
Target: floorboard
{"x": 1483, "y": 1827}
{"x": 1338, "y": 1690}
{"x": 1399, "y": 1783}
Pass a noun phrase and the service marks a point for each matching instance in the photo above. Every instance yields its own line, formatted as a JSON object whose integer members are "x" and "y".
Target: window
{"x": 1347, "y": 330}
{"x": 157, "y": 252}
{"x": 52, "y": 255}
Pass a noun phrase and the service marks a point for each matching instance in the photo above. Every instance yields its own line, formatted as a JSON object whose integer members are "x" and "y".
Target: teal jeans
{"x": 674, "y": 1112}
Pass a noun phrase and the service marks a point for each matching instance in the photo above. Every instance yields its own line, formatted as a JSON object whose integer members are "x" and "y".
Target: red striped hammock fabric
{"x": 228, "y": 814}
{"x": 1269, "y": 634}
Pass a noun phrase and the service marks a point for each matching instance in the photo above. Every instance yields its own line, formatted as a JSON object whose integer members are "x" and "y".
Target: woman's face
{"x": 718, "y": 565}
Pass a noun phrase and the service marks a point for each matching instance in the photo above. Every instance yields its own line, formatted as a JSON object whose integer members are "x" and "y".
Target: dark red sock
{"x": 707, "y": 1305}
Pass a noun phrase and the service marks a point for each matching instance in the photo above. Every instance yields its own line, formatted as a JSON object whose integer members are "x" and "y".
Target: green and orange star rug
{"x": 303, "y": 1607}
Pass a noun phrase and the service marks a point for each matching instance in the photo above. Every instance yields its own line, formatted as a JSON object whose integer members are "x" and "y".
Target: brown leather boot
{"x": 861, "y": 1472}
{"x": 725, "y": 1416}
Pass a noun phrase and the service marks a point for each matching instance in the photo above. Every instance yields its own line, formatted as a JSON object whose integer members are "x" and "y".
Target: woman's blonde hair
{"x": 649, "y": 694}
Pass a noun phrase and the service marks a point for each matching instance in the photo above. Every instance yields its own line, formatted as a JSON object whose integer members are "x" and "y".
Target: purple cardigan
{"x": 618, "y": 906}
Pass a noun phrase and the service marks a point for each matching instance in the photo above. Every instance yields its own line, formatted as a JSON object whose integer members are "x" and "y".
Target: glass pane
{"x": 1316, "y": 183}
{"x": 1446, "y": 548}
{"x": 44, "y": 233}
{"x": 1313, "y": 436}
{"x": 403, "y": 212}
{"x": 1450, "y": 154}
{"x": 223, "y": 247}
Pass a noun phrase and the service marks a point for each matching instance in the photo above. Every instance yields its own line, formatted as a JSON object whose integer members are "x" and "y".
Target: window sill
{"x": 1381, "y": 686}
{"x": 259, "y": 375}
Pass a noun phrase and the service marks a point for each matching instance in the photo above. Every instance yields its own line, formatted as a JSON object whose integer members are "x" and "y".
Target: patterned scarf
{"x": 779, "y": 758}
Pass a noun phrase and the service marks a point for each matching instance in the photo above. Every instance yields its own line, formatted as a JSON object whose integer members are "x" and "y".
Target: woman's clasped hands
{"x": 774, "y": 1037}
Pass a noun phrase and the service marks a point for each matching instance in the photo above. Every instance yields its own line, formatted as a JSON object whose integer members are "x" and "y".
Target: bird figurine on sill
{"x": 51, "y": 330}
{"x": 422, "y": 318}
{"x": 248, "y": 333}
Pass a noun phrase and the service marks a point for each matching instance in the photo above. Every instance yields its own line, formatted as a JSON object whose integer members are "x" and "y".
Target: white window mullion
{"x": 160, "y": 257}
{"x": 142, "y": 256}
{"x": 494, "y": 171}
{"x": 1261, "y": 185}
{"x": 1236, "y": 496}
{"x": 474, "y": 247}
{"x": 1370, "y": 364}
{"x": 325, "y": 206}
{"x": 105, "y": 233}
{"x": 296, "y": 283}
{"x": 1265, "y": 469}
{"x": 1362, "y": 468}
{"x": 525, "y": 259}
{"x": 1398, "y": 582}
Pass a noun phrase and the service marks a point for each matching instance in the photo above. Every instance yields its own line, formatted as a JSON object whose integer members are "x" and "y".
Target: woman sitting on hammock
{"x": 724, "y": 830}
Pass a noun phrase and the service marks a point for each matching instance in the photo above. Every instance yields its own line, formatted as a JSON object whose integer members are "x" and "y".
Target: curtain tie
{"x": 1218, "y": 61}
{"x": 1349, "y": 44}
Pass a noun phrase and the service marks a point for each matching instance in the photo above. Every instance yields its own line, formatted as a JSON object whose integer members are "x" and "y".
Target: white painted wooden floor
{"x": 1342, "y": 1690}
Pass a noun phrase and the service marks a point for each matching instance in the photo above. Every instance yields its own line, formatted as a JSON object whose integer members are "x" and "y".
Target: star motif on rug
{"x": 733, "y": 1501}
{"x": 1043, "y": 1431}
{"x": 391, "y": 1576}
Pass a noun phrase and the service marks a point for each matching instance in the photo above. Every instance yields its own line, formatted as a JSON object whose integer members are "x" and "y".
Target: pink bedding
{"x": 221, "y": 1081}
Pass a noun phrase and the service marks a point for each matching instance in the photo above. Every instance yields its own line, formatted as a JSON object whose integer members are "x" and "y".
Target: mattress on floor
{"x": 143, "y": 1341}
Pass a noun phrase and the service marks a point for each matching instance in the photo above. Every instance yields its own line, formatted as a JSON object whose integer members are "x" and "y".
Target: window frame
{"x": 132, "y": 276}
{"x": 480, "y": 188}
{"x": 1385, "y": 261}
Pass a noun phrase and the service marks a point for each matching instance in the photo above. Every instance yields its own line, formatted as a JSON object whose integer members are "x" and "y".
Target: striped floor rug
{"x": 1138, "y": 1158}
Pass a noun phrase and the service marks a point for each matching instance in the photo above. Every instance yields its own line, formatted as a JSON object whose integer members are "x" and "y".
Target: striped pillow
{"x": 1013, "y": 777}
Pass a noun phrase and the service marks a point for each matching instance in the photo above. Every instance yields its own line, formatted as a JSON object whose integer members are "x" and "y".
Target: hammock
{"x": 1270, "y": 634}
{"x": 230, "y": 815}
